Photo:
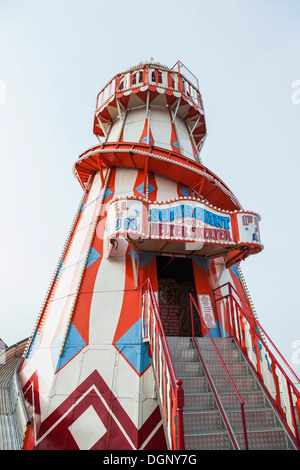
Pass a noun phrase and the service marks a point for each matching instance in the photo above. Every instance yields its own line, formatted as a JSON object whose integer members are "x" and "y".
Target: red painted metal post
{"x": 27, "y": 434}
{"x": 293, "y": 413}
{"x": 244, "y": 427}
{"x": 192, "y": 317}
{"x": 217, "y": 315}
{"x": 232, "y": 312}
{"x": 179, "y": 394}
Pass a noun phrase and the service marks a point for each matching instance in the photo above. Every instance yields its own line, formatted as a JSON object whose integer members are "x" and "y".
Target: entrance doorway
{"x": 175, "y": 284}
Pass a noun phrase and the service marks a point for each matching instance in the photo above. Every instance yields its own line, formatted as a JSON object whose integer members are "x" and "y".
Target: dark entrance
{"x": 175, "y": 284}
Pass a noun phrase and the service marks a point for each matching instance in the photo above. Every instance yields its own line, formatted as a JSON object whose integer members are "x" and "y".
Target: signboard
{"x": 206, "y": 310}
{"x": 127, "y": 216}
{"x": 248, "y": 225}
{"x": 186, "y": 220}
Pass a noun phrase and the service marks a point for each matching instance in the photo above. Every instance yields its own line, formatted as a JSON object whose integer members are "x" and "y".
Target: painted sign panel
{"x": 186, "y": 220}
{"x": 248, "y": 225}
{"x": 206, "y": 310}
{"x": 189, "y": 220}
{"x": 127, "y": 216}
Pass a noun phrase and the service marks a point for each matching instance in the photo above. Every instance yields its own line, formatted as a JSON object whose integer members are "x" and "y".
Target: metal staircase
{"x": 14, "y": 420}
{"x": 231, "y": 392}
{"x": 204, "y": 425}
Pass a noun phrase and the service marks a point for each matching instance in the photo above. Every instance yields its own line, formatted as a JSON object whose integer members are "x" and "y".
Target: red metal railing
{"x": 150, "y": 74}
{"x": 221, "y": 408}
{"x": 270, "y": 366}
{"x": 169, "y": 387}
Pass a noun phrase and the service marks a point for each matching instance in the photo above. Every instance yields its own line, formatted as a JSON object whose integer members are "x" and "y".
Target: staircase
{"x": 204, "y": 426}
{"x": 13, "y": 413}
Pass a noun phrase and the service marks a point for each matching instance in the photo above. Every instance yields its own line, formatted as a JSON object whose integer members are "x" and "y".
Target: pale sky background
{"x": 54, "y": 58}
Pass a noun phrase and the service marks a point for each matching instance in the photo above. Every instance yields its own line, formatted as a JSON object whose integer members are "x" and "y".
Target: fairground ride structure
{"x": 147, "y": 338}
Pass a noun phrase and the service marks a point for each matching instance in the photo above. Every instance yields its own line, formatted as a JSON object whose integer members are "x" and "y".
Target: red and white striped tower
{"x": 150, "y": 211}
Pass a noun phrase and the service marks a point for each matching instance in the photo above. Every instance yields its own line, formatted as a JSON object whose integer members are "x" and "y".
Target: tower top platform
{"x": 153, "y": 84}
{"x": 151, "y": 118}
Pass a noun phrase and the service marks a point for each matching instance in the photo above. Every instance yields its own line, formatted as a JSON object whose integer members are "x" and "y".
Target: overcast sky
{"x": 54, "y": 58}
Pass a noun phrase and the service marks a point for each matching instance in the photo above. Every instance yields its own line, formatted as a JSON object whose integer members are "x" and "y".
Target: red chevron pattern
{"x": 91, "y": 418}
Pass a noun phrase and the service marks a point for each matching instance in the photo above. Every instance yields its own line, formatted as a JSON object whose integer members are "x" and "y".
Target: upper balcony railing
{"x": 150, "y": 75}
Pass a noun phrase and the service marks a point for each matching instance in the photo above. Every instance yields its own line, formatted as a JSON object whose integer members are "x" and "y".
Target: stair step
{"x": 275, "y": 439}
{"x": 199, "y": 401}
{"x": 180, "y": 342}
{"x": 186, "y": 355}
{"x": 195, "y": 384}
{"x": 256, "y": 420}
{"x": 257, "y": 440}
{"x": 202, "y": 422}
{"x": 230, "y": 401}
{"x": 211, "y": 420}
{"x": 234, "y": 368}
{"x": 243, "y": 383}
{"x": 221, "y": 343}
{"x": 252, "y": 400}
{"x": 228, "y": 355}
{"x": 191, "y": 369}
{"x": 216, "y": 369}
{"x": 209, "y": 441}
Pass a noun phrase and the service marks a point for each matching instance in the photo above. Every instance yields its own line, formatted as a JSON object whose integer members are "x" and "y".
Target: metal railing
{"x": 16, "y": 349}
{"x": 214, "y": 390}
{"x": 13, "y": 412}
{"x": 169, "y": 386}
{"x": 150, "y": 74}
{"x": 269, "y": 366}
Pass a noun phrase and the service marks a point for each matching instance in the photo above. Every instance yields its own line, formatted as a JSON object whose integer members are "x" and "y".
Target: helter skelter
{"x": 147, "y": 338}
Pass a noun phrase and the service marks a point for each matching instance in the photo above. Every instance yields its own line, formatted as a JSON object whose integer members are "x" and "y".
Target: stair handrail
{"x": 175, "y": 382}
{"x": 258, "y": 331}
{"x": 226, "y": 420}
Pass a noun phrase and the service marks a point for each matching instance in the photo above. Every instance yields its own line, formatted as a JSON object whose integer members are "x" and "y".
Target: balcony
{"x": 151, "y": 85}
{"x": 164, "y": 80}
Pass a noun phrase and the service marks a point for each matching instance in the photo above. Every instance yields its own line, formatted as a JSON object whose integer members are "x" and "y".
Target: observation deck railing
{"x": 169, "y": 80}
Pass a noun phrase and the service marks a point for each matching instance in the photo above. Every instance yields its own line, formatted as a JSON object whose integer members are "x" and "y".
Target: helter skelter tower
{"x": 149, "y": 269}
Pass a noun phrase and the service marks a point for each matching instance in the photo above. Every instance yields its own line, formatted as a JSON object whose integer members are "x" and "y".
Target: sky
{"x": 54, "y": 59}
